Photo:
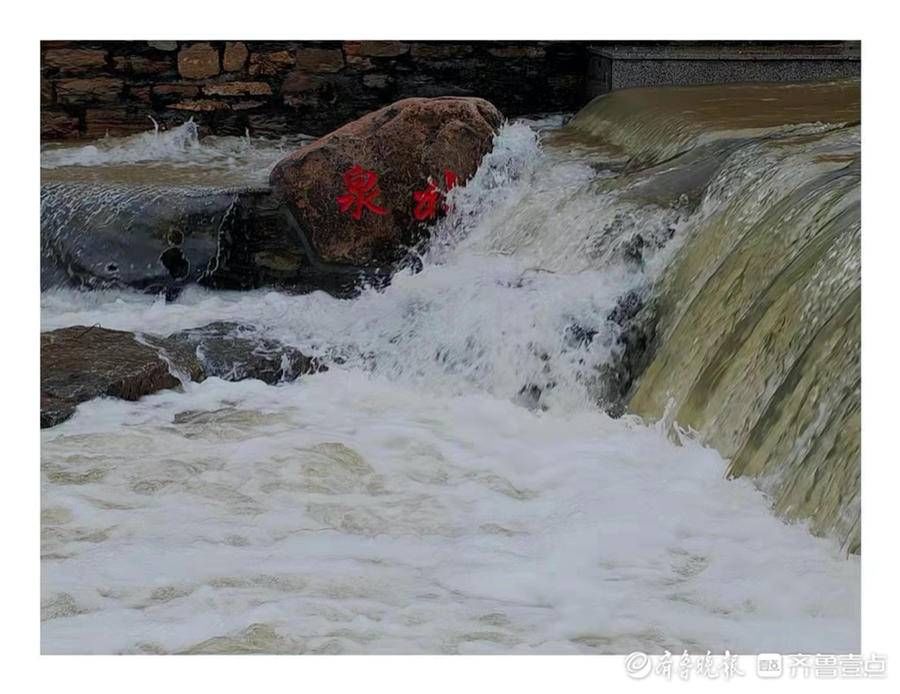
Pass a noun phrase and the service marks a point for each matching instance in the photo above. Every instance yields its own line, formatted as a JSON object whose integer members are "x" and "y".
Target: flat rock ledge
{"x": 80, "y": 363}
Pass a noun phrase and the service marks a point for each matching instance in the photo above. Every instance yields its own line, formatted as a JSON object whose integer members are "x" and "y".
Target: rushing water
{"x": 450, "y": 485}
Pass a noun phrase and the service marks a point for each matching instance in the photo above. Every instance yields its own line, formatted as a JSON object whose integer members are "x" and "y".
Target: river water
{"x": 450, "y": 484}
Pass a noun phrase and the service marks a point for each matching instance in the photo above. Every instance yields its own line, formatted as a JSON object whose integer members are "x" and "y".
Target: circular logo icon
{"x": 638, "y": 665}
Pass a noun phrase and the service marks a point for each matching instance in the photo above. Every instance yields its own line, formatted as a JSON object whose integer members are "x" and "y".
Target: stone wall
{"x": 269, "y": 89}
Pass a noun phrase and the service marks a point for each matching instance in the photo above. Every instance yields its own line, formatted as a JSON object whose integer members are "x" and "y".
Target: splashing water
{"x": 178, "y": 144}
{"x": 167, "y": 157}
{"x": 449, "y": 485}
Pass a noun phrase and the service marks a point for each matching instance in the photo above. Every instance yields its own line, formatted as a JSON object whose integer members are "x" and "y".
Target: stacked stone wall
{"x": 93, "y": 88}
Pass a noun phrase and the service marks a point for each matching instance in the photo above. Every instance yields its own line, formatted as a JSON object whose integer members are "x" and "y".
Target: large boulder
{"x": 404, "y": 145}
{"x": 158, "y": 237}
{"x": 80, "y": 363}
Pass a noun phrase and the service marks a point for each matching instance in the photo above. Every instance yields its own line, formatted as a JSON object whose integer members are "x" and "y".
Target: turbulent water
{"x": 174, "y": 157}
{"x": 451, "y": 484}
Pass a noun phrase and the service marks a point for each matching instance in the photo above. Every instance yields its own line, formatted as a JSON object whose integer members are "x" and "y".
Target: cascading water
{"x": 773, "y": 278}
{"x": 452, "y": 483}
{"x": 757, "y": 319}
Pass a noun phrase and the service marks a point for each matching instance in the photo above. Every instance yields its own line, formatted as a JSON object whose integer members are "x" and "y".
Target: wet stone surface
{"x": 80, "y": 363}
{"x": 235, "y": 351}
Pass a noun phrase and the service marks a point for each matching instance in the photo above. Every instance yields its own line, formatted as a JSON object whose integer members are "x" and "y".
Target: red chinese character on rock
{"x": 450, "y": 180}
{"x": 362, "y": 189}
{"x": 427, "y": 200}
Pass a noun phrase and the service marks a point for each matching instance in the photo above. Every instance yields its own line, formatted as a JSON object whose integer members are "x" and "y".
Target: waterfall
{"x": 756, "y": 319}
{"x": 614, "y": 407}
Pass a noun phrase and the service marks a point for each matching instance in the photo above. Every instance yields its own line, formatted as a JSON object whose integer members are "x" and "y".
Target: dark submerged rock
{"x": 98, "y": 236}
{"x": 234, "y": 351}
{"x": 261, "y": 244}
{"x": 159, "y": 241}
{"x": 636, "y": 320}
{"x": 529, "y": 397}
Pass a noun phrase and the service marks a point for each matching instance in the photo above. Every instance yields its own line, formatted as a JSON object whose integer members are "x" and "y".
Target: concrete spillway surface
{"x": 617, "y": 65}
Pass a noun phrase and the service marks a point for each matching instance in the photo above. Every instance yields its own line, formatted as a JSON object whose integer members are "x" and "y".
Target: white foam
{"x": 403, "y": 502}
{"x": 348, "y": 513}
{"x": 167, "y": 155}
